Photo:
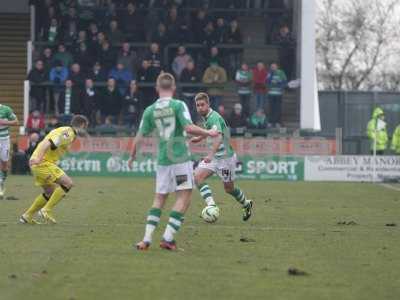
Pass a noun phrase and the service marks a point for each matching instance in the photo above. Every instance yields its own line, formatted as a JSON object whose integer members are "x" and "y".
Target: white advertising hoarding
{"x": 351, "y": 168}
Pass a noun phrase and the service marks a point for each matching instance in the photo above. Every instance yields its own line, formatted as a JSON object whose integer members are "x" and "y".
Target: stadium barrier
{"x": 287, "y": 159}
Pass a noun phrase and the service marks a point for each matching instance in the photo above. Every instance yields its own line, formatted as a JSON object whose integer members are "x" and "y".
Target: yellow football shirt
{"x": 60, "y": 139}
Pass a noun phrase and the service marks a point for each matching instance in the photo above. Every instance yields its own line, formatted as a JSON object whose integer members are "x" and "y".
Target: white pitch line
{"x": 390, "y": 187}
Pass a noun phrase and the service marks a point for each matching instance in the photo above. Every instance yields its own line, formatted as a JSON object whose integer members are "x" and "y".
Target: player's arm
{"x": 41, "y": 151}
{"x": 11, "y": 120}
{"x": 197, "y": 139}
{"x": 186, "y": 122}
{"x": 145, "y": 128}
{"x": 136, "y": 141}
{"x": 198, "y": 131}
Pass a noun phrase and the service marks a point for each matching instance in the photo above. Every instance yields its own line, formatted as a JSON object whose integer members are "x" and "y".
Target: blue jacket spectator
{"x": 122, "y": 76}
{"x": 58, "y": 76}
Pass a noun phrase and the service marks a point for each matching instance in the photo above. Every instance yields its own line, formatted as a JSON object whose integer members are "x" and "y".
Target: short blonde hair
{"x": 166, "y": 81}
{"x": 202, "y": 96}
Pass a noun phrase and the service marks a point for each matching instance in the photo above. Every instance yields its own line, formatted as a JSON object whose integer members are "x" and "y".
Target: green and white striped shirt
{"x": 6, "y": 113}
{"x": 213, "y": 120}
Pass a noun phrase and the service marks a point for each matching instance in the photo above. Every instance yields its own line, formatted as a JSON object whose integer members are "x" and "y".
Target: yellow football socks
{"x": 39, "y": 202}
{"x": 57, "y": 195}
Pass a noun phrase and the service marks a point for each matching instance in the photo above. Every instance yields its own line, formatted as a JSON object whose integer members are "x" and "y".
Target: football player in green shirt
{"x": 170, "y": 119}
{"x": 7, "y": 118}
{"x": 221, "y": 158}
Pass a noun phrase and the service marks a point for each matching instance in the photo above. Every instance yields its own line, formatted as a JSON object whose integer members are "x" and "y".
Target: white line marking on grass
{"x": 390, "y": 187}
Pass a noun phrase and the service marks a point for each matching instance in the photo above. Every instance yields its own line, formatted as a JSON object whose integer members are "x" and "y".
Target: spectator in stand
{"x": 114, "y": 35}
{"x": 107, "y": 127}
{"x": 198, "y": 25}
{"x": 216, "y": 76}
{"x": 154, "y": 58}
{"x": 132, "y": 106}
{"x": 53, "y": 32}
{"x": 276, "y": 82}
{"x": 76, "y": 76}
{"x": 34, "y": 139}
{"x": 209, "y": 38}
{"x": 58, "y": 76}
{"x": 180, "y": 62}
{"x": 98, "y": 44}
{"x": 92, "y": 33}
{"x": 70, "y": 102}
{"x": 84, "y": 58}
{"x": 274, "y": 18}
{"x": 70, "y": 25}
{"x": 89, "y": 102}
{"x": 215, "y": 57}
{"x": 97, "y": 74}
{"x": 220, "y": 30}
{"x": 160, "y": 36}
{"x": 184, "y": 33}
{"x": 82, "y": 39}
{"x": 244, "y": 80}
{"x": 47, "y": 59}
{"x": 35, "y": 122}
{"x": 122, "y": 76}
{"x": 258, "y": 120}
{"x": 237, "y": 120}
{"x": 173, "y": 25}
{"x": 52, "y": 124}
{"x": 107, "y": 57}
{"x": 222, "y": 111}
{"x": 233, "y": 36}
{"x": 50, "y": 14}
{"x": 133, "y": 23}
{"x": 38, "y": 75}
{"x": 64, "y": 56}
{"x": 110, "y": 102}
{"x": 147, "y": 74}
{"x": 190, "y": 75}
{"x": 128, "y": 57}
{"x": 259, "y": 83}
{"x": 287, "y": 50}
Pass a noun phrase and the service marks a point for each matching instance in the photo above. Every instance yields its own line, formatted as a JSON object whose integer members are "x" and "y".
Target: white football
{"x": 210, "y": 214}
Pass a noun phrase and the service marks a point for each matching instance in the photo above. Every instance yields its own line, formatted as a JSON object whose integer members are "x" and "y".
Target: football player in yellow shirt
{"x": 47, "y": 174}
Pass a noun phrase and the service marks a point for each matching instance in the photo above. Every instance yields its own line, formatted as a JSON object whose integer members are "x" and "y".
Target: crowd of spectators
{"x": 93, "y": 69}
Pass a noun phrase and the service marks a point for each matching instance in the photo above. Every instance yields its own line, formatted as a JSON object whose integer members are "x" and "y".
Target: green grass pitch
{"x": 89, "y": 254}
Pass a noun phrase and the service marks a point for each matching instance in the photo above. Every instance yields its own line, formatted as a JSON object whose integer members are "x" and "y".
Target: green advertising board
{"x": 106, "y": 164}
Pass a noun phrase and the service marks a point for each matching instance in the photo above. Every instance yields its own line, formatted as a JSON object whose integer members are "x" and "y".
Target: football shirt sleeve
{"x": 146, "y": 124}
{"x": 10, "y": 115}
{"x": 183, "y": 115}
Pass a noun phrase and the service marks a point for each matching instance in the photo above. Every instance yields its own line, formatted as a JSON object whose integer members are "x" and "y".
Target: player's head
{"x": 80, "y": 123}
{"x": 165, "y": 85}
{"x": 202, "y": 104}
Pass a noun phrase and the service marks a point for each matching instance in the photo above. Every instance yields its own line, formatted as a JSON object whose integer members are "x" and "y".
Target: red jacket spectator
{"x": 259, "y": 78}
{"x": 35, "y": 122}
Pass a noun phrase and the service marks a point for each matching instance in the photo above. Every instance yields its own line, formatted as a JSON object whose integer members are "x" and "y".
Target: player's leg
{"x": 183, "y": 182}
{"x": 38, "y": 203}
{"x": 4, "y": 157}
{"x": 152, "y": 221}
{"x": 240, "y": 197}
{"x": 163, "y": 188}
{"x": 64, "y": 183}
{"x": 200, "y": 176}
{"x": 176, "y": 217}
{"x": 227, "y": 172}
